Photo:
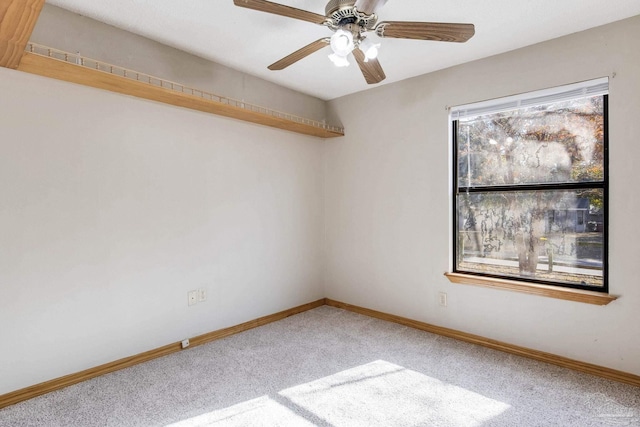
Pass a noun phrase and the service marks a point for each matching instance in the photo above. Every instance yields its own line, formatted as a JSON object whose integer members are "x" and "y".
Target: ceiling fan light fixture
{"x": 369, "y": 48}
{"x": 339, "y": 61}
{"x": 350, "y": 20}
{"x": 342, "y": 42}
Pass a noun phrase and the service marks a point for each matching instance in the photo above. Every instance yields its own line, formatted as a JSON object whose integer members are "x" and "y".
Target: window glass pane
{"x": 553, "y": 236}
{"x": 557, "y": 142}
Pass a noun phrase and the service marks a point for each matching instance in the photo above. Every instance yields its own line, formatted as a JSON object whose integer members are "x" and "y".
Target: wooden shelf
{"x": 17, "y": 20}
{"x": 95, "y": 77}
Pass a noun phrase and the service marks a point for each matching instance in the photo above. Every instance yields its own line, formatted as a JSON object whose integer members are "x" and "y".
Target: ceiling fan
{"x": 350, "y": 20}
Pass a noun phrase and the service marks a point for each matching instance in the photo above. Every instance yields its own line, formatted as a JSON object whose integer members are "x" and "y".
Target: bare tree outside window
{"x": 530, "y": 193}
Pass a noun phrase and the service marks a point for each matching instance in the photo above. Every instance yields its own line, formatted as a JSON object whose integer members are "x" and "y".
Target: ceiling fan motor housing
{"x": 342, "y": 13}
{"x": 334, "y": 5}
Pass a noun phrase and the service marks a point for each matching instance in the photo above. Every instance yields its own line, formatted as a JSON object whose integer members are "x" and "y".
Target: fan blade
{"x": 438, "y": 31}
{"x": 371, "y": 70}
{"x": 281, "y": 9}
{"x": 299, "y": 54}
{"x": 369, "y": 6}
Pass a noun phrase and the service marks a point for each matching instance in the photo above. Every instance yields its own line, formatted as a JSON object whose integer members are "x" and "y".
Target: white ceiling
{"x": 249, "y": 41}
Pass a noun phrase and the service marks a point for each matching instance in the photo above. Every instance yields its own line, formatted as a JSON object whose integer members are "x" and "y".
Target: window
{"x": 530, "y": 187}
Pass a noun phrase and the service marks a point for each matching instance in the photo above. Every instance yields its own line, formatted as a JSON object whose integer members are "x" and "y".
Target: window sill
{"x": 578, "y": 295}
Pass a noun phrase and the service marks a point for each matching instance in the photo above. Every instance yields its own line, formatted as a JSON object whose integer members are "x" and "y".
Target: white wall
{"x": 387, "y": 200}
{"x": 112, "y": 208}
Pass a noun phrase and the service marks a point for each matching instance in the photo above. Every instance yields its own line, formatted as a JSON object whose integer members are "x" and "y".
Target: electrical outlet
{"x": 442, "y": 299}
{"x": 192, "y": 297}
{"x": 202, "y": 294}
{"x": 185, "y": 343}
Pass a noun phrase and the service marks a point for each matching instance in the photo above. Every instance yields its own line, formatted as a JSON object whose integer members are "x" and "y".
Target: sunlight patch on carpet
{"x": 383, "y": 394}
{"x": 376, "y": 394}
{"x": 261, "y": 411}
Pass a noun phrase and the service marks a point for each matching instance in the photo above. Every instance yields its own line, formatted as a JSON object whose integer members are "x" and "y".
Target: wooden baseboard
{"x": 67, "y": 380}
{"x": 541, "y": 356}
{"x": 216, "y": 335}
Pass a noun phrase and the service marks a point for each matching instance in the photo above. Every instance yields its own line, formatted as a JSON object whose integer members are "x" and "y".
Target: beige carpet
{"x": 329, "y": 367}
